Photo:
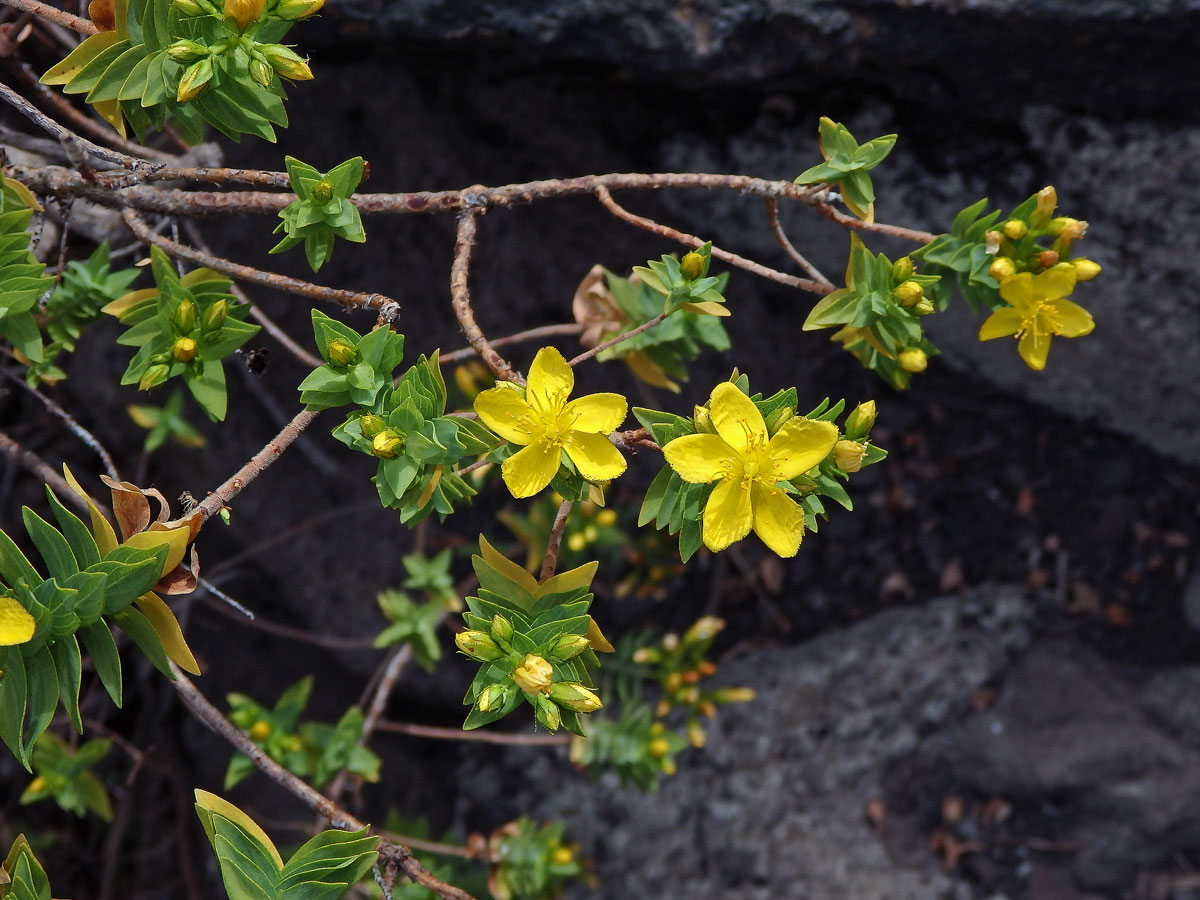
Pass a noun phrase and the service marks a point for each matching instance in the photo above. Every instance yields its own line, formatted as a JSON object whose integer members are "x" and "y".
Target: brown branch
{"x": 460, "y": 298}
{"x": 52, "y": 14}
{"x": 531, "y": 334}
{"x": 556, "y": 535}
{"x": 78, "y": 430}
{"x": 34, "y": 464}
{"x": 857, "y": 224}
{"x": 351, "y": 299}
{"x": 487, "y": 737}
{"x": 690, "y": 240}
{"x": 772, "y": 206}
{"x": 645, "y": 326}
{"x": 306, "y": 794}
{"x": 332, "y": 641}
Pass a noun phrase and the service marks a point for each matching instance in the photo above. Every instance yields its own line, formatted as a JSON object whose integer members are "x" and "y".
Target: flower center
{"x": 546, "y": 419}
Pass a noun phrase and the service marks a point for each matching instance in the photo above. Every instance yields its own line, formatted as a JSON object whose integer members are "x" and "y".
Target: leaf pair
{"x": 322, "y": 211}
{"x": 847, "y": 164}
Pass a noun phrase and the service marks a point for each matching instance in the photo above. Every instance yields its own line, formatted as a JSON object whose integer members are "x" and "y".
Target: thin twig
{"x": 460, "y": 298}
{"x": 318, "y": 802}
{"x": 690, "y": 240}
{"x": 434, "y": 846}
{"x": 857, "y": 224}
{"x": 53, "y": 14}
{"x": 351, "y": 299}
{"x": 624, "y": 336}
{"x": 332, "y": 641}
{"x": 78, "y": 430}
{"x": 772, "y": 206}
{"x": 555, "y": 541}
{"x": 481, "y": 735}
{"x": 31, "y": 462}
{"x": 531, "y": 334}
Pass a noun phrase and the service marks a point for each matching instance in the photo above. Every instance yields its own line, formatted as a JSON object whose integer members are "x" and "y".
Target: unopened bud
{"x": 692, "y": 265}
{"x": 1048, "y": 258}
{"x": 1085, "y": 269}
{"x": 492, "y": 697}
{"x": 187, "y": 51}
{"x": 185, "y": 317}
{"x": 37, "y": 785}
{"x": 902, "y": 269}
{"x": 502, "y": 629}
{"x": 992, "y": 241}
{"x": 260, "y": 730}
{"x": 779, "y": 418}
{"x": 848, "y": 455}
{"x": 184, "y": 349}
{"x": 261, "y": 72}
{"x": 153, "y": 377}
{"x": 703, "y": 420}
{"x": 703, "y": 629}
{"x": 576, "y": 543}
{"x": 189, "y": 8}
{"x": 322, "y": 191}
{"x": 1002, "y": 267}
{"x": 925, "y": 307}
{"x": 1047, "y": 202}
{"x": 243, "y": 12}
{"x": 341, "y": 352}
{"x": 286, "y": 62}
{"x": 563, "y": 856}
{"x": 658, "y": 748}
{"x": 291, "y": 10}
{"x": 913, "y": 359}
{"x": 575, "y": 696}
{"x": 548, "y": 714}
{"x": 695, "y": 734}
{"x": 1015, "y": 229}
{"x": 370, "y": 425}
{"x": 195, "y": 79}
{"x": 646, "y": 655}
{"x": 387, "y": 444}
{"x": 478, "y": 645}
{"x": 734, "y": 695}
{"x": 859, "y": 422}
{"x": 908, "y": 293}
{"x": 533, "y": 675}
{"x": 569, "y": 646}
{"x": 214, "y": 317}
{"x": 1067, "y": 227}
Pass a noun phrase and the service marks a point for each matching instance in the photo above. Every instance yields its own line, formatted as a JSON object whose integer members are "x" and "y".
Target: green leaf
{"x": 134, "y": 624}
{"x": 42, "y": 686}
{"x": 13, "y": 700}
{"x": 68, "y": 665}
{"x": 102, "y": 649}
{"x": 60, "y": 561}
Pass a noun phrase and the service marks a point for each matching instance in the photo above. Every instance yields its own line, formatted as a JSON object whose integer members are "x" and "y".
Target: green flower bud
{"x": 574, "y": 696}
{"x": 286, "y": 62}
{"x": 387, "y": 444}
{"x": 569, "y": 646}
{"x": 549, "y": 716}
{"x": 189, "y": 8}
{"x": 902, "y": 269}
{"x": 187, "y": 51}
{"x": 924, "y": 307}
{"x": 502, "y": 629}
{"x": 1002, "y": 267}
{"x": 703, "y": 420}
{"x": 322, "y": 191}
{"x": 184, "y": 349}
{"x": 1015, "y": 229}
{"x": 214, "y": 317}
{"x": 477, "y": 645}
{"x": 909, "y": 293}
{"x": 291, "y": 10}
{"x": 195, "y": 79}
{"x": 153, "y": 377}
{"x": 261, "y": 72}
{"x": 848, "y": 455}
{"x": 692, "y": 265}
{"x": 185, "y": 317}
{"x": 341, "y": 352}
{"x": 371, "y": 425}
{"x": 913, "y": 359}
{"x": 859, "y": 422}
{"x": 779, "y": 418}
{"x": 493, "y": 697}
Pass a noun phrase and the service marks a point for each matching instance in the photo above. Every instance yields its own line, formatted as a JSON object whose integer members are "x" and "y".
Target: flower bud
{"x": 779, "y": 418}
{"x": 692, "y": 265}
{"x": 658, "y": 747}
{"x": 387, "y": 444}
{"x": 549, "y": 716}
{"x": 1002, "y": 267}
{"x": 734, "y": 695}
{"x": 195, "y": 78}
{"x": 371, "y": 424}
{"x": 260, "y": 730}
{"x": 1015, "y": 229}
{"x": 189, "y": 8}
{"x": 563, "y": 856}
{"x": 924, "y": 307}
{"x": 703, "y": 420}
{"x": 341, "y": 352}
{"x": 286, "y": 61}
{"x": 322, "y": 191}
{"x": 913, "y": 359}
{"x": 243, "y": 12}
{"x": 574, "y": 696}
{"x": 184, "y": 349}
{"x": 153, "y": 377}
{"x": 646, "y": 655}
{"x": 908, "y": 293}
{"x": 902, "y": 269}
{"x": 576, "y": 543}
{"x": 261, "y": 72}
{"x": 992, "y": 241}
{"x": 703, "y": 629}
{"x": 502, "y": 629}
{"x": 492, "y": 697}
{"x": 569, "y": 646}
{"x": 848, "y": 455}
{"x": 606, "y": 518}
{"x": 695, "y": 734}
{"x": 37, "y": 785}
{"x": 1047, "y": 202}
{"x": 1085, "y": 269}
{"x": 478, "y": 645}
{"x": 533, "y": 675}
{"x": 214, "y": 317}
{"x": 187, "y": 51}
{"x": 1048, "y": 258}
{"x": 859, "y": 422}
{"x": 185, "y": 317}
{"x": 291, "y": 10}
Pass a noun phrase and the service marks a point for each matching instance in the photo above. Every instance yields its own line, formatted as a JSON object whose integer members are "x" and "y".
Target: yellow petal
{"x": 550, "y": 378}
{"x": 597, "y": 413}
{"x": 102, "y": 531}
{"x": 529, "y": 470}
{"x": 175, "y": 538}
{"x": 735, "y": 417}
{"x": 1001, "y": 323}
{"x": 500, "y": 409}
{"x": 699, "y": 458}
{"x": 166, "y": 626}
{"x": 1033, "y": 349}
{"x": 1018, "y": 290}
{"x": 1071, "y": 320}
{"x": 508, "y": 568}
{"x": 1055, "y": 282}
{"x": 799, "y": 445}
{"x": 727, "y": 517}
{"x": 778, "y": 519}
{"x": 594, "y": 456}
{"x": 16, "y": 624}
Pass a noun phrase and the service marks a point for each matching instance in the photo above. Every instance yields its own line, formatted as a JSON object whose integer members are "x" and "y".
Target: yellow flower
{"x": 546, "y": 425}
{"x": 243, "y": 12}
{"x": 749, "y": 465}
{"x": 1037, "y": 311}
{"x": 16, "y": 624}
{"x": 533, "y": 675}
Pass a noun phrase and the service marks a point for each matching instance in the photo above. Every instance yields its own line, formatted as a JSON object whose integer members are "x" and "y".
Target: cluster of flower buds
{"x": 849, "y": 451}
{"x": 189, "y": 330}
{"x": 1020, "y": 243}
